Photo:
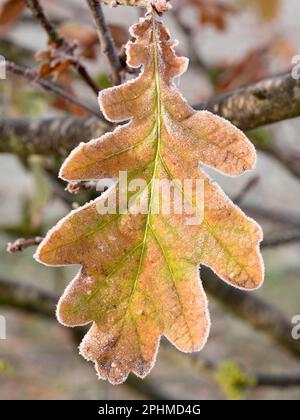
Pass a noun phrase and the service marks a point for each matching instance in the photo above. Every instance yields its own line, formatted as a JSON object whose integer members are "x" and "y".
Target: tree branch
{"x": 283, "y": 238}
{"x": 279, "y": 380}
{"x": 106, "y": 40}
{"x": 249, "y": 307}
{"x": 34, "y": 300}
{"x": 136, "y": 3}
{"x": 268, "y": 101}
{"x": 280, "y": 104}
{"x": 262, "y": 316}
{"x": 20, "y": 244}
{"x": 31, "y": 76}
{"x": 28, "y": 298}
{"x": 200, "y": 366}
{"x": 38, "y": 12}
{"x": 47, "y": 136}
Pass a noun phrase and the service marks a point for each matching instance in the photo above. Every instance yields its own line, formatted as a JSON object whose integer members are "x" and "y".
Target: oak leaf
{"x": 139, "y": 277}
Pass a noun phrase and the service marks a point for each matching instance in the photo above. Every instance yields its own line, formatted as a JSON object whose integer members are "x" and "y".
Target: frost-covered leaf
{"x": 139, "y": 276}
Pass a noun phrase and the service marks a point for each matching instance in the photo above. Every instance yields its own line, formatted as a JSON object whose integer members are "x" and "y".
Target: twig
{"x": 39, "y": 14}
{"x": 28, "y": 298}
{"x": 54, "y": 36}
{"x": 284, "y": 238}
{"x": 136, "y": 3}
{"x": 199, "y": 365}
{"x": 290, "y": 161}
{"x": 20, "y": 244}
{"x": 252, "y": 183}
{"x": 31, "y": 76}
{"x": 107, "y": 41}
{"x": 193, "y": 54}
{"x": 48, "y": 136}
{"x": 76, "y": 187}
{"x": 272, "y": 215}
{"x": 247, "y": 306}
{"x": 278, "y": 380}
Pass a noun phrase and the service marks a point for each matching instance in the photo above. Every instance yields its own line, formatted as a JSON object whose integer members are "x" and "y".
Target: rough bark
{"x": 266, "y": 102}
{"x": 47, "y": 136}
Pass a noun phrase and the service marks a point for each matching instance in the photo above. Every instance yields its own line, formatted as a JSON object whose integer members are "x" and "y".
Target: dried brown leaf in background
{"x": 88, "y": 39}
{"x": 10, "y": 10}
{"x": 267, "y": 9}
{"x": 139, "y": 276}
{"x": 213, "y": 12}
{"x": 252, "y": 68}
{"x": 56, "y": 59}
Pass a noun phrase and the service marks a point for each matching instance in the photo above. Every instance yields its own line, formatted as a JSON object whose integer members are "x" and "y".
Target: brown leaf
{"x": 213, "y": 12}
{"x": 66, "y": 79}
{"x": 251, "y": 69}
{"x": 267, "y": 9}
{"x": 56, "y": 59}
{"x": 87, "y": 37}
{"x": 139, "y": 276}
{"x": 10, "y": 10}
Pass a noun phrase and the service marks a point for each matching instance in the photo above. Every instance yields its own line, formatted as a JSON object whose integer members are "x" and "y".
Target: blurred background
{"x": 230, "y": 44}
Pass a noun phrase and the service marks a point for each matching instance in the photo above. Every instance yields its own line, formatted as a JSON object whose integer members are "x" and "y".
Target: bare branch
{"x": 249, "y": 307}
{"x": 268, "y": 101}
{"x": 233, "y": 106}
{"x": 39, "y": 14}
{"x": 48, "y": 136}
{"x": 272, "y": 215}
{"x": 136, "y": 3}
{"x": 203, "y": 366}
{"x": 20, "y": 244}
{"x": 261, "y": 315}
{"x": 279, "y": 380}
{"x": 291, "y": 161}
{"x": 76, "y": 187}
{"x": 107, "y": 41}
{"x": 28, "y": 298}
{"x": 189, "y": 32}
{"x": 252, "y": 183}
{"x": 284, "y": 238}
{"x": 37, "y": 301}
{"x": 31, "y": 76}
